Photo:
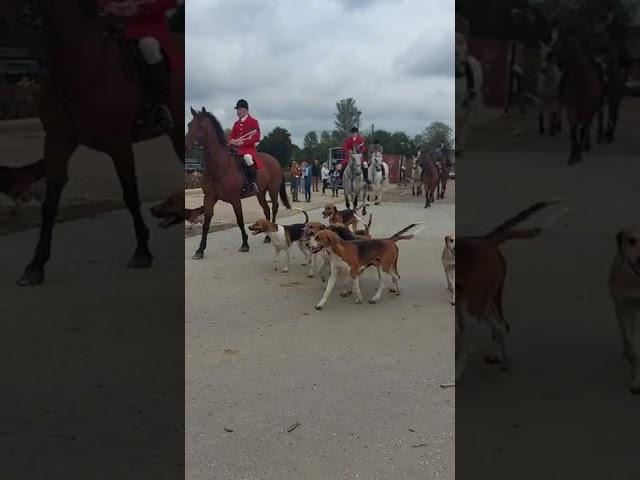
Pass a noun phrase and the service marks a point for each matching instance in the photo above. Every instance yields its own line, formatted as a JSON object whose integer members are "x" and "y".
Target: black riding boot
{"x": 160, "y": 90}
{"x": 252, "y": 175}
{"x": 470, "y": 80}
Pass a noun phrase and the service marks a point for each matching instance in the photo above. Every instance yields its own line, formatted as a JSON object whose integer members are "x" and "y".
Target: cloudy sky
{"x": 293, "y": 60}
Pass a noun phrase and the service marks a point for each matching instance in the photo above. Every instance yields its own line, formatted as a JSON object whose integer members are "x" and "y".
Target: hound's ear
{"x": 620, "y": 237}
{"x": 193, "y": 112}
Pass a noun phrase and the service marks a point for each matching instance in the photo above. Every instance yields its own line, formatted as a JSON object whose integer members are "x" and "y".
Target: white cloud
{"x": 293, "y": 60}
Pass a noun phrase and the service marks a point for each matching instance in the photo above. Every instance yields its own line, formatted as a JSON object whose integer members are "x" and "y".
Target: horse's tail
{"x": 283, "y": 196}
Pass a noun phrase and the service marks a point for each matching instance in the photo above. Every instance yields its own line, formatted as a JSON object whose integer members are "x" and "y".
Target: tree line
{"x": 316, "y": 145}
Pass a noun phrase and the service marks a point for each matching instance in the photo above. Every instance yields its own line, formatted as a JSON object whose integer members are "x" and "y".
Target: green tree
{"x": 435, "y": 134}
{"x": 312, "y": 149}
{"x": 310, "y": 140}
{"x": 278, "y": 144}
{"x": 347, "y": 116}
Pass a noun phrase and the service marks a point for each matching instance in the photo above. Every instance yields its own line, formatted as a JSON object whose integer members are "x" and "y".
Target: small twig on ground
{"x": 293, "y": 427}
{"x": 419, "y": 445}
{"x": 447, "y": 385}
{"x": 228, "y": 430}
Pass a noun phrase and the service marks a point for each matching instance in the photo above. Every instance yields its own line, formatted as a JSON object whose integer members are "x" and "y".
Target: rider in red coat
{"x": 146, "y": 23}
{"x": 245, "y": 134}
{"x": 355, "y": 141}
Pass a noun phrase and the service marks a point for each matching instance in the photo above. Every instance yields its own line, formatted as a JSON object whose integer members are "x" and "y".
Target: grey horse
{"x": 353, "y": 182}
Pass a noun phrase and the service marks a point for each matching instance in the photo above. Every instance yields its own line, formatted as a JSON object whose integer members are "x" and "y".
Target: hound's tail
{"x": 399, "y": 235}
{"x": 505, "y": 231}
{"x": 306, "y": 215}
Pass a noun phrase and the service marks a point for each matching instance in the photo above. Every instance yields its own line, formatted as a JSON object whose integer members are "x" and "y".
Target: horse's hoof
{"x": 266, "y": 240}
{"x": 140, "y": 260}
{"x": 377, "y": 203}
{"x": 318, "y": 307}
{"x": 244, "y": 248}
{"x": 31, "y": 277}
{"x": 198, "y": 255}
{"x": 373, "y": 301}
{"x": 492, "y": 358}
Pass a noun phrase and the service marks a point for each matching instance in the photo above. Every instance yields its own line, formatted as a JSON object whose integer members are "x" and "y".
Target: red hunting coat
{"x": 151, "y": 21}
{"x": 348, "y": 145}
{"x": 241, "y": 128}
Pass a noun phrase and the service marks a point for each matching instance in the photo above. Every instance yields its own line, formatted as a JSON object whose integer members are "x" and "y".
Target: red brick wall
{"x": 394, "y": 166}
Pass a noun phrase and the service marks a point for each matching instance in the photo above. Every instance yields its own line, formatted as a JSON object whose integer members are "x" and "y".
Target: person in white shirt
{"x": 324, "y": 176}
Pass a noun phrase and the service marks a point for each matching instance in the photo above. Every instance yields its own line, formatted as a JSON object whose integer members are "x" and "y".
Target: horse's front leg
{"x": 56, "y": 153}
{"x": 209, "y": 202}
{"x": 237, "y": 209}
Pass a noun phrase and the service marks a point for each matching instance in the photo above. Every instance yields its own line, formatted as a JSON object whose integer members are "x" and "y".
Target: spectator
{"x": 307, "y": 172}
{"x": 335, "y": 179}
{"x": 295, "y": 180}
{"x": 324, "y": 173}
{"x": 301, "y": 182}
{"x": 315, "y": 170}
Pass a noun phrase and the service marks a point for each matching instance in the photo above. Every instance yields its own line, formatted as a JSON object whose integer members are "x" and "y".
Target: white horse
{"x": 466, "y": 108}
{"x": 548, "y": 85}
{"x": 376, "y": 178}
{"x": 353, "y": 184}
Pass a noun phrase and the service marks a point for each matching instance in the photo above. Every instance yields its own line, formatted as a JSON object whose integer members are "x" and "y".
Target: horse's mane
{"x": 217, "y": 127}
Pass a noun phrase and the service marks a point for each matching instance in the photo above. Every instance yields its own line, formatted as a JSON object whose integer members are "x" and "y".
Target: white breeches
{"x": 248, "y": 159}
{"x": 150, "y": 49}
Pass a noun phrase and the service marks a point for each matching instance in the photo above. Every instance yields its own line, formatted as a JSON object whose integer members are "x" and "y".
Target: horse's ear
{"x": 193, "y": 112}
{"x": 203, "y": 110}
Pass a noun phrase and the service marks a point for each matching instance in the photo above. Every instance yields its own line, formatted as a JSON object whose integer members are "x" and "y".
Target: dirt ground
{"x": 363, "y": 381}
{"x": 567, "y": 395}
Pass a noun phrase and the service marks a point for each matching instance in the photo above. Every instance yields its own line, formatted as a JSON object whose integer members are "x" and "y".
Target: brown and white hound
{"x": 353, "y": 257}
{"x": 348, "y": 218}
{"x": 479, "y": 283}
{"x": 624, "y": 288}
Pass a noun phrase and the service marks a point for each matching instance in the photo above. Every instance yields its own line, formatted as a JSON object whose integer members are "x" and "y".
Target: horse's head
{"x": 196, "y": 129}
{"x": 356, "y": 159}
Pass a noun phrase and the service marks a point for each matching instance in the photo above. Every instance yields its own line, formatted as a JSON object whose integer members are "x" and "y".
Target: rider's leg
{"x": 252, "y": 173}
{"x": 468, "y": 71}
{"x": 160, "y": 83}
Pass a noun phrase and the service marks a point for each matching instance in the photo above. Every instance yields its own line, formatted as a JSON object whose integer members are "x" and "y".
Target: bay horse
{"x": 580, "y": 92}
{"x": 430, "y": 178}
{"x": 614, "y": 89}
{"x": 91, "y": 98}
{"x": 443, "y": 166}
{"x": 224, "y": 178}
